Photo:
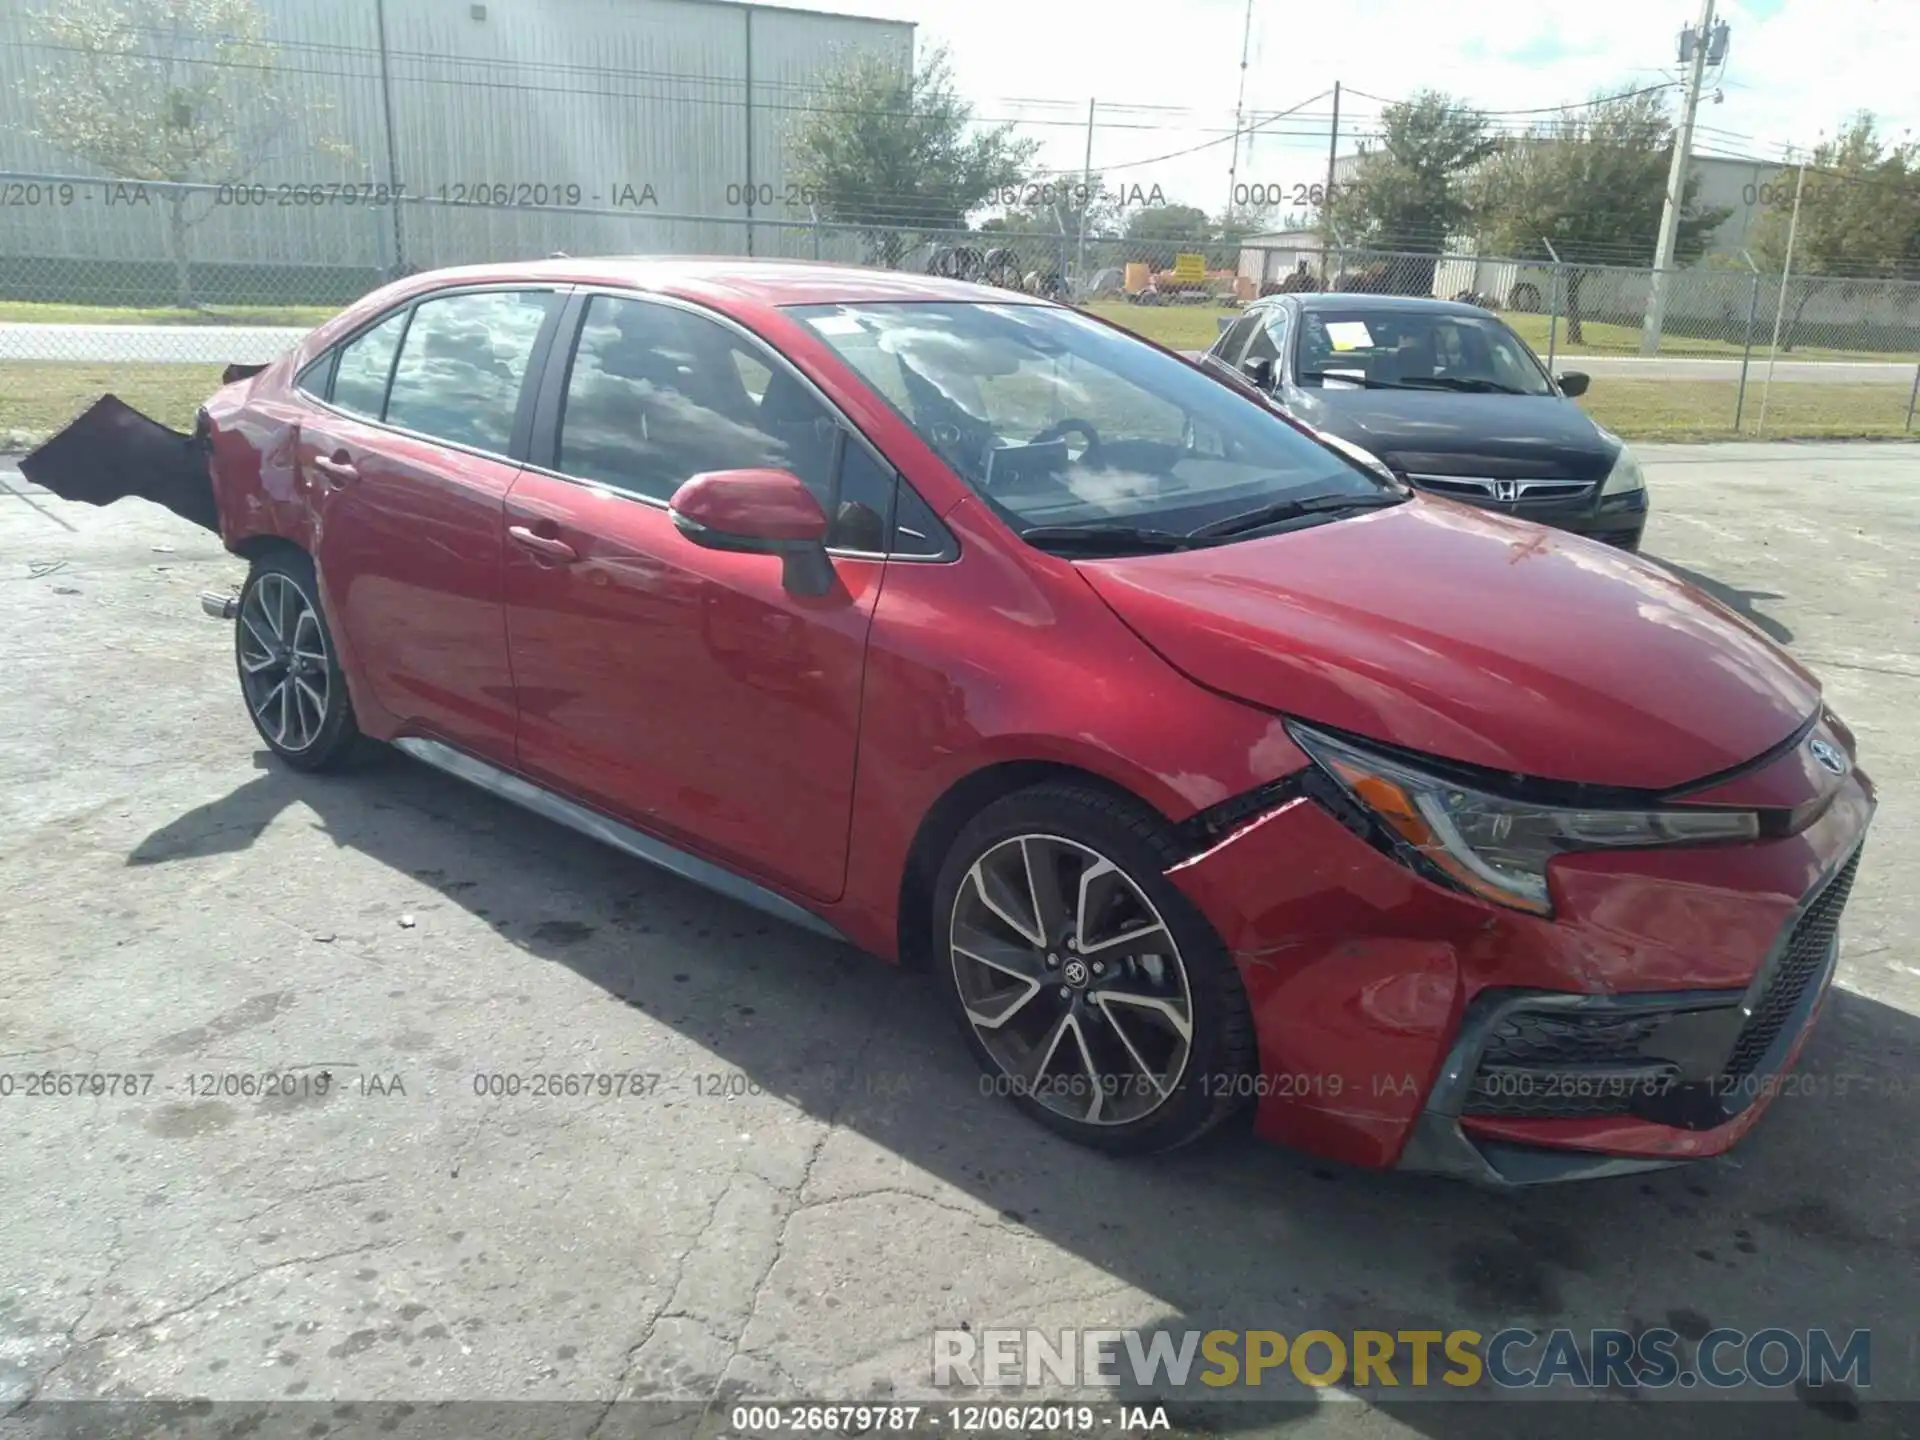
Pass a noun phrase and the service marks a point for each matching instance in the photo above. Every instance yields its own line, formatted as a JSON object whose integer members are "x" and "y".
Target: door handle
{"x": 339, "y": 473}
{"x": 542, "y": 544}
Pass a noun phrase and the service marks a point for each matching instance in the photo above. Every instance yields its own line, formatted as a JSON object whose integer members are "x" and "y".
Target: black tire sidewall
{"x": 1135, "y": 840}
{"x": 338, "y": 732}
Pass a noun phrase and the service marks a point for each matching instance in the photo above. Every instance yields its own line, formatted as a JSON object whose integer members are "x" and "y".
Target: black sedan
{"x": 1449, "y": 398}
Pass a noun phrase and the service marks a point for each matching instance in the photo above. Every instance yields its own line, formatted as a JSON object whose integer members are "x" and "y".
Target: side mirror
{"x": 1575, "y": 382}
{"x": 1260, "y": 371}
{"x": 758, "y": 512}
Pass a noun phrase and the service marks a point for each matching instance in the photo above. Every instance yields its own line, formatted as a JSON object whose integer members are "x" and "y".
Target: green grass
{"x": 39, "y": 397}
{"x": 1179, "y": 327}
{"x": 27, "y": 312}
{"x": 1703, "y": 410}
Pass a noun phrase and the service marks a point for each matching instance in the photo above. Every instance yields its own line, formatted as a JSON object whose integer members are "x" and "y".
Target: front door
{"x": 408, "y": 466}
{"x": 685, "y": 690}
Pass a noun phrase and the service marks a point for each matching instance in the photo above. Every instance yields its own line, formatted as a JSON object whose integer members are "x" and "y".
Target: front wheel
{"x": 1091, "y": 991}
{"x": 289, "y": 672}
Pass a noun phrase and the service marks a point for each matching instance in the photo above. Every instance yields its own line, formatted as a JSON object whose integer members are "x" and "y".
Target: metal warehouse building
{"x": 647, "y": 109}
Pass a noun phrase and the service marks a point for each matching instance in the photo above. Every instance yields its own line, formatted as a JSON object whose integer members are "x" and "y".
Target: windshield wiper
{"x": 1280, "y": 510}
{"x": 1459, "y": 382}
{"x": 1107, "y": 538}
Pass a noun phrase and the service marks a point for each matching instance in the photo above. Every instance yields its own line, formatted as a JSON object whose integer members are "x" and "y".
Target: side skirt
{"x": 608, "y": 831}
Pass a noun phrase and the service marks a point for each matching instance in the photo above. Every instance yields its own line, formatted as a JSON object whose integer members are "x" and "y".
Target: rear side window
{"x": 462, "y": 365}
{"x": 366, "y": 364}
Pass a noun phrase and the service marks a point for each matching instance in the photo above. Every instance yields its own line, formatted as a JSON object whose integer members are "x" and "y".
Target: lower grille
{"x": 1800, "y": 961}
{"x": 1566, "y": 1092}
{"x": 1540, "y": 1063}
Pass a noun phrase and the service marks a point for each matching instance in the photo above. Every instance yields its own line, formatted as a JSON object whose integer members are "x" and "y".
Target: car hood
{"x": 1443, "y": 433}
{"x": 1474, "y": 637}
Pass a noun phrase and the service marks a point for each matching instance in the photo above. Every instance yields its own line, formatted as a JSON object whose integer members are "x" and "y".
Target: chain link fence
{"x": 90, "y": 297}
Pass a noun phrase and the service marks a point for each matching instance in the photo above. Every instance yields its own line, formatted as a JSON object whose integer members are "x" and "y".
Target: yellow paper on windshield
{"x": 1349, "y": 335}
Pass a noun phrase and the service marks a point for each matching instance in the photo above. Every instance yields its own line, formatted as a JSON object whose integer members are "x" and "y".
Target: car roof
{"x": 762, "y": 282}
{"x": 1361, "y": 300}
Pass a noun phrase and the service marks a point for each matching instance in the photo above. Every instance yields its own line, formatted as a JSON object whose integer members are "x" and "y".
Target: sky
{"x": 1165, "y": 78}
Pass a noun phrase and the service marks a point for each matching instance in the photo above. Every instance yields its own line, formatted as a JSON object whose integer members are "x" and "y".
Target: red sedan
{"x": 1202, "y": 764}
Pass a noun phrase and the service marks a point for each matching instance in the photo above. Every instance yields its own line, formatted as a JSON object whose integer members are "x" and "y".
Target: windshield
{"x": 1058, "y": 420}
{"x": 1416, "y": 350}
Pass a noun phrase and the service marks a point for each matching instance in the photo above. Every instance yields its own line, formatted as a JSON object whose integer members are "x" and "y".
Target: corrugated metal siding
{"x": 614, "y": 96}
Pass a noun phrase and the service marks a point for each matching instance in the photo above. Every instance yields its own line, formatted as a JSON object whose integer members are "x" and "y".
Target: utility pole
{"x": 1780, "y": 308}
{"x": 1326, "y": 201}
{"x": 1333, "y": 143}
{"x": 1086, "y": 200}
{"x": 1676, "y": 186}
{"x": 1239, "y": 111}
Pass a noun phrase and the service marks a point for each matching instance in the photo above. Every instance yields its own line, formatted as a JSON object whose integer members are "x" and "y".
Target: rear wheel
{"x": 289, "y": 672}
{"x": 1091, "y": 991}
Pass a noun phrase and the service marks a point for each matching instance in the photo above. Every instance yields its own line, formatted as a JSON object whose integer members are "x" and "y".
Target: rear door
{"x": 686, "y": 690}
{"x": 408, "y": 454}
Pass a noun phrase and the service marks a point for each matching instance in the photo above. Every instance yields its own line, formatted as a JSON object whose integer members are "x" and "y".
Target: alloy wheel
{"x": 1071, "y": 979}
{"x": 284, "y": 667}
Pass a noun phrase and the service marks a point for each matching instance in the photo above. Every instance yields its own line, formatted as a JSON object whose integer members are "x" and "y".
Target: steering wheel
{"x": 1061, "y": 428}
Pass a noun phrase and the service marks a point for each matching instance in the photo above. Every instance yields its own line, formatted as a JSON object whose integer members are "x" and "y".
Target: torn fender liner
{"x": 114, "y": 451}
{"x": 240, "y": 372}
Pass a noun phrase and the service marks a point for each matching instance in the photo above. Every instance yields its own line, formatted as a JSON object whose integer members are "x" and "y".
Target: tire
{"x": 289, "y": 668}
{"x": 1525, "y": 297}
{"x": 1126, "y": 1085}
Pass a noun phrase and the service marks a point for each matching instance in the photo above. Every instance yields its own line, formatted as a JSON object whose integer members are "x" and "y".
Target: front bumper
{"x": 1401, "y": 1024}
{"x": 1633, "y": 1082}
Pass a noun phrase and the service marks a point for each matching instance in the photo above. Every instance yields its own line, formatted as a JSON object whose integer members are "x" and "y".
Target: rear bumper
{"x": 1402, "y": 1025}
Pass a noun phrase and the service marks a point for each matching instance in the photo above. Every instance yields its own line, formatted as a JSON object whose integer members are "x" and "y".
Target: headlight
{"x": 1492, "y": 846}
{"x": 1625, "y": 477}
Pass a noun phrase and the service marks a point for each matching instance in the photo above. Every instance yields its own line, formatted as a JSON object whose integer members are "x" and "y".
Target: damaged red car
{"x": 1205, "y": 766}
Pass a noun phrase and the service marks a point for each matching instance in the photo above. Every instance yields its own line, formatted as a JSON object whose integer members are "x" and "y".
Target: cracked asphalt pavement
{"x": 790, "y": 1177}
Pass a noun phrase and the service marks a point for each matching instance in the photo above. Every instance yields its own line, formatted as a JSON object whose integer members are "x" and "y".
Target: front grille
{"x": 1800, "y": 961}
{"x": 1482, "y": 487}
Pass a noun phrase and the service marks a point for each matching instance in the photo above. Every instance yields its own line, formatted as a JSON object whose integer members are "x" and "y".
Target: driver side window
{"x": 657, "y": 395}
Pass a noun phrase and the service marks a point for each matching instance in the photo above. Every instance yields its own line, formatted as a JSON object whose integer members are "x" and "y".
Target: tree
{"x": 1859, "y": 214}
{"x": 1411, "y": 193}
{"x": 892, "y": 152}
{"x": 181, "y": 92}
{"x": 1592, "y": 183}
{"x": 1157, "y": 233}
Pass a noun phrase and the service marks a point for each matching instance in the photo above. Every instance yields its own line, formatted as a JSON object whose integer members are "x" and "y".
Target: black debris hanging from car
{"x": 113, "y": 451}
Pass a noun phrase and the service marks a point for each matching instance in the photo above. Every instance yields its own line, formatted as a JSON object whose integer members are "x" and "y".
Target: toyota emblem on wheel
{"x": 1830, "y": 759}
{"x": 1075, "y": 973}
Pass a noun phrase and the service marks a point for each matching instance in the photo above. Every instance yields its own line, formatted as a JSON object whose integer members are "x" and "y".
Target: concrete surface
{"x": 814, "y": 1182}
